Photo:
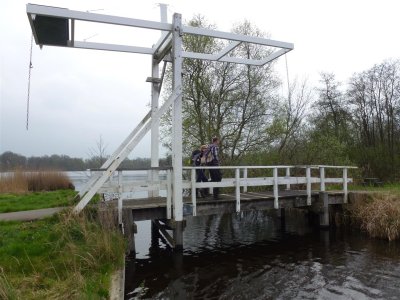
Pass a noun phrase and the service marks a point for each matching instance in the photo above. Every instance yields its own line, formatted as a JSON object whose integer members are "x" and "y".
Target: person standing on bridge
{"x": 200, "y": 174}
{"x": 215, "y": 174}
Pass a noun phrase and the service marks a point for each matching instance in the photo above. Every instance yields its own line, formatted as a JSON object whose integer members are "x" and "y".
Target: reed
{"x": 23, "y": 181}
{"x": 378, "y": 214}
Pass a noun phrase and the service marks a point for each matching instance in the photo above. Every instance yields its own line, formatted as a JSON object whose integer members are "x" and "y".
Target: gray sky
{"x": 78, "y": 95}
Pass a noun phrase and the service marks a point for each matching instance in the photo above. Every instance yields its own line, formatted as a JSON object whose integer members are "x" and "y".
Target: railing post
{"x": 308, "y": 179}
{"x": 169, "y": 194}
{"x": 345, "y": 185}
{"x": 322, "y": 178}
{"x": 120, "y": 197}
{"x": 237, "y": 182}
{"x": 276, "y": 194}
{"x": 149, "y": 180}
{"x": 193, "y": 179}
{"x": 245, "y": 180}
{"x": 288, "y": 177}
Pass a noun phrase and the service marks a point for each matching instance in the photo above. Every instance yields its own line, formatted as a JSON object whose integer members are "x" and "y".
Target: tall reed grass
{"x": 24, "y": 181}
{"x": 378, "y": 214}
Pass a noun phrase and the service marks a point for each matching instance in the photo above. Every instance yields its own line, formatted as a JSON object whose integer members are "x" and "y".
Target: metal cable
{"x": 287, "y": 76}
{"x": 29, "y": 86}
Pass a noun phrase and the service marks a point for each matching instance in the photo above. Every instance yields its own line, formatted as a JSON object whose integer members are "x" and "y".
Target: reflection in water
{"x": 248, "y": 256}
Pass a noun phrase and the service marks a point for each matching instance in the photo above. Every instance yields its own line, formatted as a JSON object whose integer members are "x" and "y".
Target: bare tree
{"x": 293, "y": 112}
{"x": 98, "y": 154}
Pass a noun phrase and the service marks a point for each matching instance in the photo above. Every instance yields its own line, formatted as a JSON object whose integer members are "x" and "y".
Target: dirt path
{"x": 28, "y": 215}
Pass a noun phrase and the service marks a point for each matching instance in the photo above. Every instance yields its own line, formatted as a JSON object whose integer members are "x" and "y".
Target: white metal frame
{"x": 169, "y": 44}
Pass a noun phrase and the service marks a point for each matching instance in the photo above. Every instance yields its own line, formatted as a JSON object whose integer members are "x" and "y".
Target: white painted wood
{"x": 214, "y": 57}
{"x": 120, "y": 198}
{"x": 271, "y": 167}
{"x": 273, "y": 56}
{"x": 166, "y": 36}
{"x": 94, "y": 17}
{"x": 226, "y": 50}
{"x": 112, "y": 47}
{"x": 155, "y": 124}
{"x": 345, "y": 185}
{"x": 107, "y": 163}
{"x": 237, "y": 184}
{"x": 169, "y": 194}
{"x": 124, "y": 153}
{"x": 177, "y": 118}
{"x": 322, "y": 178}
{"x": 193, "y": 187}
{"x": 276, "y": 187}
{"x": 288, "y": 177}
{"x": 236, "y": 37}
{"x": 245, "y": 180}
{"x": 308, "y": 176}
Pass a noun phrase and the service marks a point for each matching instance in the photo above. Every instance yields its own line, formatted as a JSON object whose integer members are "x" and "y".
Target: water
{"x": 252, "y": 256}
{"x": 79, "y": 179}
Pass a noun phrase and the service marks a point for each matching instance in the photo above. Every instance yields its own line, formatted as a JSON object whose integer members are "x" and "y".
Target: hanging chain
{"x": 29, "y": 86}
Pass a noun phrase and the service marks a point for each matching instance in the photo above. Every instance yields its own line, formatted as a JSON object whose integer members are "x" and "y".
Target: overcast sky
{"x": 77, "y": 95}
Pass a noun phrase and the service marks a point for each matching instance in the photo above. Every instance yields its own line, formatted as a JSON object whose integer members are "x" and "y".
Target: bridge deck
{"x": 155, "y": 208}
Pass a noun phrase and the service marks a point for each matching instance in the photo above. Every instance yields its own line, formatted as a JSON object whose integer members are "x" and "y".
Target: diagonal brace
{"x": 97, "y": 184}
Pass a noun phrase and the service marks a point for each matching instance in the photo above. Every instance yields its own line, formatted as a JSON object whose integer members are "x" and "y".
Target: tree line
{"x": 10, "y": 161}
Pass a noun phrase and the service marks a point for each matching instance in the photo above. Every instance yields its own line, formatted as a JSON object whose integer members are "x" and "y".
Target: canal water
{"x": 254, "y": 255}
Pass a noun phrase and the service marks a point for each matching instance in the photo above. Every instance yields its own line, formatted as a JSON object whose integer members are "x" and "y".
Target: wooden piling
{"x": 324, "y": 212}
{"x": 129, "y": 231}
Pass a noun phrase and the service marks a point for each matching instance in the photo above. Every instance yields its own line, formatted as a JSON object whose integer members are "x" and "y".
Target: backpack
{"x": 207, "y": 157}
{"x": 196, "y": 158}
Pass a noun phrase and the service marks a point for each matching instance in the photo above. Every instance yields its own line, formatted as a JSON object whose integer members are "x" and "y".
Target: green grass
{"x": 62, "y": 257}
{"x": 36, "y": 200}
{"x": 393, "y": 188}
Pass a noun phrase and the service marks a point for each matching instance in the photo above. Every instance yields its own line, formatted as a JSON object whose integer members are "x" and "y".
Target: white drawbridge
{"x": 53, "y": 26}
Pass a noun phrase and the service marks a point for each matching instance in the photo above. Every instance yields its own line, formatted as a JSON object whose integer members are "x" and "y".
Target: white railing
{"x": 275, "y": 180}
{"x": 159, "y": 182}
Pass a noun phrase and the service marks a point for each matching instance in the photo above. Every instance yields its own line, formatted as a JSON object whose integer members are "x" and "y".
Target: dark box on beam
{"x": 51, "y": 31}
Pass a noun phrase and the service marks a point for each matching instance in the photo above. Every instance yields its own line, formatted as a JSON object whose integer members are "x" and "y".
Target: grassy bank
{"x": 63, "y": 257}
{"x": 10, "y": 202}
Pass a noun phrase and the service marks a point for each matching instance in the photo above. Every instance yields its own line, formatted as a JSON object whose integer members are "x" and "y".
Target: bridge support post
{"x": 129, "y": 231}
{"x": 324, "y": 213}
{"x": 178, "y": 235}
{"x": 281, "y": 213}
